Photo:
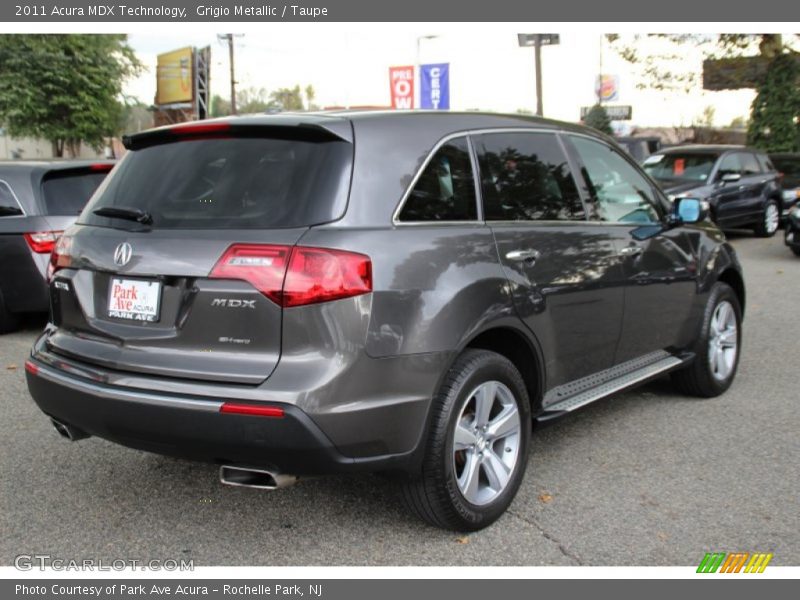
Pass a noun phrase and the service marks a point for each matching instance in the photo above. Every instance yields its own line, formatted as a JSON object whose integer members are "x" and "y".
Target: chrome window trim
{"x": 16, "y": 199}
{"x": 451, "y": 136}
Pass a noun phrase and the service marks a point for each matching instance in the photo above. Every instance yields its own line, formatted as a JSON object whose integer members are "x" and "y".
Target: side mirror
{"x": 730, "y": 177}
{"x": 690, "y": 210}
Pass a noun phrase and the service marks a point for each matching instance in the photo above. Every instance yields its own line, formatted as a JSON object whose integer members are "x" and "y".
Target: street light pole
{"x": 418, "y": 69}
{"x": 229, "y": 38}
{"x": 537, "y": 53}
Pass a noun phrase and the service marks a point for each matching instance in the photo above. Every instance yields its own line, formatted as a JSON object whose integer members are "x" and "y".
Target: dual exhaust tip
{"x": 236, "y": 476}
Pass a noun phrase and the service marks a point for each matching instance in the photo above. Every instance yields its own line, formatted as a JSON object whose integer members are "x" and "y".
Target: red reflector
{"x": 42, "y": 242}
{"x": 251, "y": 409}
{"x": 200, "y": 128}
{"x": 31, "y": 368}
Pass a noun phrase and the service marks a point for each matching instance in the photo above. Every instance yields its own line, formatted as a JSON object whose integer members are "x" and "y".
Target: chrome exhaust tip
{"x": 68, "y": 432}
{"x": 255, "y": 478}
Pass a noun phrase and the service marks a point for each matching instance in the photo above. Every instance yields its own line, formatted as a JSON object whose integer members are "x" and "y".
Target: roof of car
{"x": 704, "y": 148}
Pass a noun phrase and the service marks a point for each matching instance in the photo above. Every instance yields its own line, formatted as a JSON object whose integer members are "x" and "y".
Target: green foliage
{"x": 774, "y": 123}
{"x": 64, "y": 88}
{"x": 597, "y": 117}
{"x": 287, "y": 98}
{"x": 220, "y": 107}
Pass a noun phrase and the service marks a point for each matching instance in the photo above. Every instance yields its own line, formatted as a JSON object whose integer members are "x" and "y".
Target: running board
{"x": 587, "y": 390}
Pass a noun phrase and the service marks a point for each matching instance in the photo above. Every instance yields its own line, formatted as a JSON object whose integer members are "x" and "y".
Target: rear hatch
{"x": 176, "y": 266}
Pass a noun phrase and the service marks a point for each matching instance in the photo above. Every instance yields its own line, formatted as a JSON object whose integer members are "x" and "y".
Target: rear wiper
{"x": 121, "y": 212}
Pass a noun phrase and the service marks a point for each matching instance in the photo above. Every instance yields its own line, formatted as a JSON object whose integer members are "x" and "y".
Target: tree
{"x": 64, "y": 88}
{"x": 598, "y": 118}
{"x": 774, "y": 125}
{"x": 287, "y": 98}
{"x": 219, "y": 106}
{"x": 311, "y": 95}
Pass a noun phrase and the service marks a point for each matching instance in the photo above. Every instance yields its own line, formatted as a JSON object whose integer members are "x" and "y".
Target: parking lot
{"x": 644, "y": 478}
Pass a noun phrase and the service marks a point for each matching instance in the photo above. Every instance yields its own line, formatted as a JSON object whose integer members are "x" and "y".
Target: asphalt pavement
{"x": 647, "y": 477}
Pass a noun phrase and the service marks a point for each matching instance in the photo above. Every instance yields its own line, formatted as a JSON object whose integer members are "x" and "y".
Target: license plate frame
{"x": 136, "y": 313}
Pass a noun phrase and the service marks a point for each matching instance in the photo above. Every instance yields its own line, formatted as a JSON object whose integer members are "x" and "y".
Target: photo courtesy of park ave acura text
{"x": 281, "y": 289}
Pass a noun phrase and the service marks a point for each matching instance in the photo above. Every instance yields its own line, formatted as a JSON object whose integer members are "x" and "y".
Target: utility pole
{"x": 229, "y": 38}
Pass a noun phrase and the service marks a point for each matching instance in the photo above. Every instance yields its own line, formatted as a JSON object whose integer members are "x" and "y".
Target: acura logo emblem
{"x": 122, "y": 255}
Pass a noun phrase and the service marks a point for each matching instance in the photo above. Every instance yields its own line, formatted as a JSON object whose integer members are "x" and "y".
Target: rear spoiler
{"x": 281, "y": 128}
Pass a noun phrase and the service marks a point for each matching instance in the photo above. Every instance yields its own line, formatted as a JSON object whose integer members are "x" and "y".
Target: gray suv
{"x": 397, "y": 292}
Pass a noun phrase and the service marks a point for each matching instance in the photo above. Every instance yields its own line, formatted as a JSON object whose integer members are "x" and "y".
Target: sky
{"x": 348, "y": 65}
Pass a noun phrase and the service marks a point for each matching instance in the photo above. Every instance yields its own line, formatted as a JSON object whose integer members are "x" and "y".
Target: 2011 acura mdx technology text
{"x": 397, "y": 292}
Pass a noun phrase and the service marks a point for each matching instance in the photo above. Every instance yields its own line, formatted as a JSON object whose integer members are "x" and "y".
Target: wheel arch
{"x": 733, "y": 278}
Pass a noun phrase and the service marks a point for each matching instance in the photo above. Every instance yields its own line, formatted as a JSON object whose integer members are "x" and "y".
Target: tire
{"x": 770, "y": 220}
{"x": 796, "y": 250}
{"x": 8, "y": 321}
{"x": 436, "y": 495}
{"x": 711, "y": 373}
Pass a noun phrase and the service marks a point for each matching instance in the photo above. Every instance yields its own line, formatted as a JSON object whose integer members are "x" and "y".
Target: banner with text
{"x": 401, "y": 82}
{"x": 435, "y": 86}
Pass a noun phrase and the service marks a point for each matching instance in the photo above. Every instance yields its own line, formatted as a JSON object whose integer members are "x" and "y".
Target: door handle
{"x": 631, "y": 251}
{"x": 528, "y": 256}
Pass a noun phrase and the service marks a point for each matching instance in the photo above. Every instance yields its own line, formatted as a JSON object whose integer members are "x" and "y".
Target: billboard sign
{"x": 175, "y": 77}
{"x": 435, "y": 86}
{"x": 401, "y": 84}
{"x": 607, "y": 88}
{"x": 615, "y": 113}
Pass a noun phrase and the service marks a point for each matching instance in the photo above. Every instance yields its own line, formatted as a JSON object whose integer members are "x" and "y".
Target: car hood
{"x": 678, "y": 186}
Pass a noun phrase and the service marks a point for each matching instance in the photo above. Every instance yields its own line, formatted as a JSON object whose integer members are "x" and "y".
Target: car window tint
{"x": 766, "y": 163}
{"x": 445, "y": 190}
{"x": 8, "y": 203}
{"x": 526, "y": 177}
{"x": 750, "y": 165}
{"x": 67, "y": 192}
{"x": 620, "y": 193}
{"x": 730, "y": 164}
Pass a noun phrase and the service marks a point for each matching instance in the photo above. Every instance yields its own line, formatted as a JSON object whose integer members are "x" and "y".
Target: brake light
{"x": 254, "y": 410}
{"x": 101, "y": 167}
{"x": 31, "y": 368}
{"x": 200, "y": 128}
{"x": 60, "y": 257}
{"x": 299, "y": 275}
{"x": 42, "y": 242}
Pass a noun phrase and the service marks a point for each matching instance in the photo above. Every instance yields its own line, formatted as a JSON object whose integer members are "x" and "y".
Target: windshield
{"x": 229, "y": 183}
{"x": 685, "y": 167}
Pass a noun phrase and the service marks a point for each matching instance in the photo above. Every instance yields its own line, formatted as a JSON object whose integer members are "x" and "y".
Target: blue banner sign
{"x": 435, "y": 86}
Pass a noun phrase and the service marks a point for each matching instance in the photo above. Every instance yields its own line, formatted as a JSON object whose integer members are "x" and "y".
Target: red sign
{"x": 401, "y": 83}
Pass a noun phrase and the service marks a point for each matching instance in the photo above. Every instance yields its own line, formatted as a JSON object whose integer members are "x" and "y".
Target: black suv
{"x": 390, "y": 291}
{"x": 741, "y": 185}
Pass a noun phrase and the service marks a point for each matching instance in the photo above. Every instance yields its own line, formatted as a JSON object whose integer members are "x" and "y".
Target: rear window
{"x": 66, "y": 193}
{"x": 230, "y": 183}
{"x": 692, "y": 166}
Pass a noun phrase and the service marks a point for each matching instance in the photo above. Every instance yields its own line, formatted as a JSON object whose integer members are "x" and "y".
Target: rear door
{"x": 754, "y": 184}
{"x": 729, "y": 197}
{"x": 564, "y": 274}
{"x": 192, "y": 289}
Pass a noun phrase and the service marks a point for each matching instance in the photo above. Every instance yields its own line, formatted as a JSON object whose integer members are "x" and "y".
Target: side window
{"x": 766, "y": 163}
{"x": 620, "y": 193}
{"x": 525, "y": 177}
{"x": 730, "y": 164}
{"x": 750, "y": 165}
{"x": 445, "y": 191}
{"x": 9, "y": 206}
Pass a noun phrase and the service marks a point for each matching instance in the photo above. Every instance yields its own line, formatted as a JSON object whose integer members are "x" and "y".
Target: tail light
{"x": 42, "y": 242}
{"x": 233, "y": 408}
{"x": 297, "y": 275}
{"x": 60, "y": 257}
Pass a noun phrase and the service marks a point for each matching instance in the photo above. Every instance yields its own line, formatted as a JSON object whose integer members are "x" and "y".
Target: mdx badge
{"x": 233, "y": 303}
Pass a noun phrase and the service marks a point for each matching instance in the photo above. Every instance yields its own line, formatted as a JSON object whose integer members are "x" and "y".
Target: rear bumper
{"x": 194, "y": 428}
